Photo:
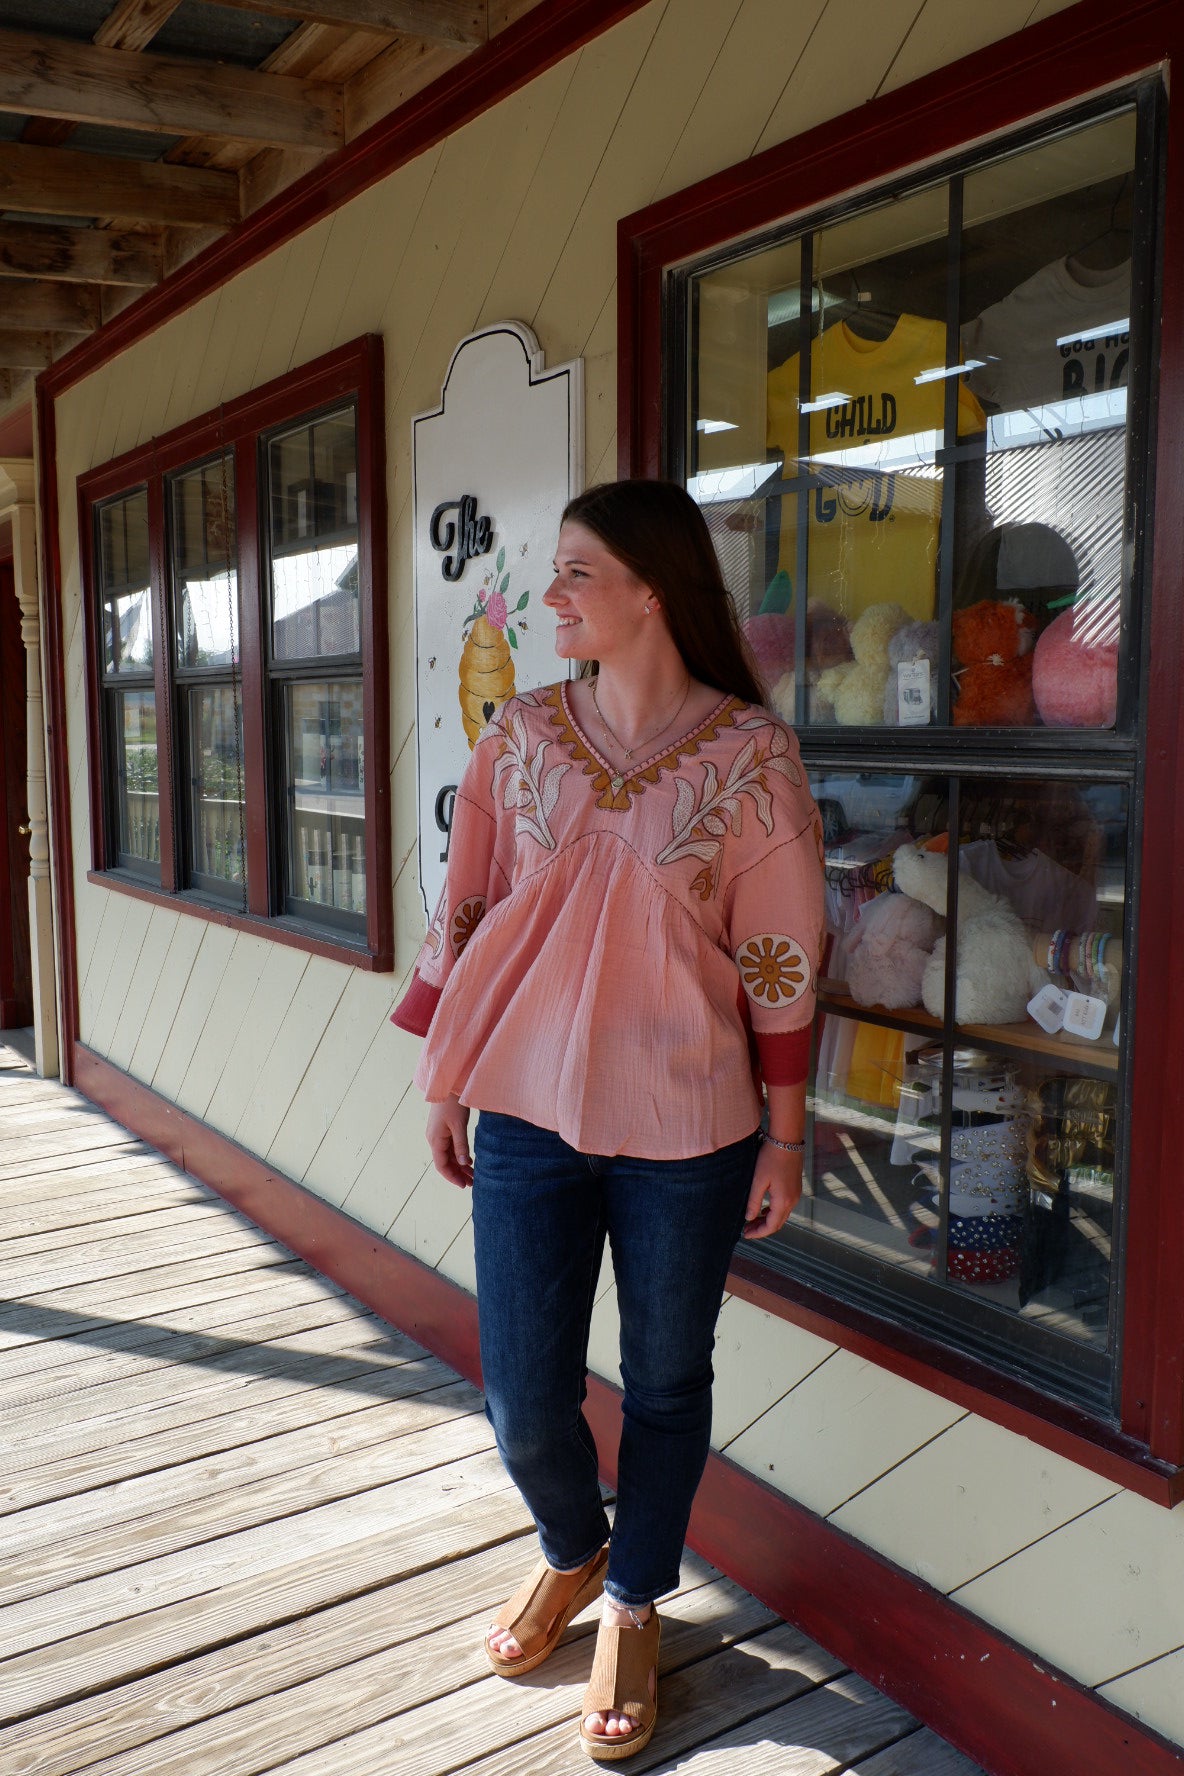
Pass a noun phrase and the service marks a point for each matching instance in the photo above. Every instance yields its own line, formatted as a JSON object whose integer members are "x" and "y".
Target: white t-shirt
{"x": 1043, "y": 892}
{"x": 1064, "y": 332}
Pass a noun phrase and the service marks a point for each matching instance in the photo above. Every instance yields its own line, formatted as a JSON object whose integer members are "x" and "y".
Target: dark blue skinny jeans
{"x": 541, "y": 1211}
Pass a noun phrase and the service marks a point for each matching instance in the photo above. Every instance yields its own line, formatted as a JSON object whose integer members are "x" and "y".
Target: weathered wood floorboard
{"x": 247, "y": 1528}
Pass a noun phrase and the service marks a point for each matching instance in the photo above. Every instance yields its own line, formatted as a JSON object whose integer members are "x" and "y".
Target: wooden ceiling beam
{"x": 132, "y": 24}
{"x": 49, "y": 77}
{"x": 461, "y": 24}
{"x": 25, "y": 351}
{"x": 29, "y": 306}
{"x": 14, "y": 384}
{"x": 57, "y": 182}
{"x": 78, "y": 255}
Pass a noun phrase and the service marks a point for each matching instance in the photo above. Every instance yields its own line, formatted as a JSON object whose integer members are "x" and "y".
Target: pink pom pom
{"x": 770, "y": 636}
{"x": 1075, "y": 666}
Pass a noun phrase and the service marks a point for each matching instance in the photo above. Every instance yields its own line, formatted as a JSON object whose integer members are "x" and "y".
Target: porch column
{"x": 17, "y": 506}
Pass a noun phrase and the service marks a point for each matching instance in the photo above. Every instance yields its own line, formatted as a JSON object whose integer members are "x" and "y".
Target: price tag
{"x": 1048, "y": 1008}
{"x": 912, "y": 693}
{"x": 1084, "y": 1015}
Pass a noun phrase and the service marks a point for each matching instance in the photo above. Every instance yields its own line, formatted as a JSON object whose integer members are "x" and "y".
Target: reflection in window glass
{"x": 1005, "y": 1188}
{"x": 326, "y": 761}
{"x": 314, "y": 540}
{"x": 205, "y": 565}
{"x": 875, "y": 406}
{"x": 126, "y": 591}
{"x": 216, "y": 799}
{"x": 1046, "y": 303}
{"x": 138, "y": 788}
{"x": 891, "y": 495}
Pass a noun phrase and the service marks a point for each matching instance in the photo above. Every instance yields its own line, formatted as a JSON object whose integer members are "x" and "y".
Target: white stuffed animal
{"x": 996, "y": 973}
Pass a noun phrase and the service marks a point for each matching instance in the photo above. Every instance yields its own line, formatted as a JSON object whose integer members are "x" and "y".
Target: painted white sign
{"x": 493, "y": 466}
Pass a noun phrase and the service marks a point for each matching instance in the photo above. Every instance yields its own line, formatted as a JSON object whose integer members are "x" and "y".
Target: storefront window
{"x": 913, "y": 430}
{"x": 947, "y": 493}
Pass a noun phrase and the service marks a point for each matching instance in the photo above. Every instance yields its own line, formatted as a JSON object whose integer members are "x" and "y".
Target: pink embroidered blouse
{"x": 609, "y": 951}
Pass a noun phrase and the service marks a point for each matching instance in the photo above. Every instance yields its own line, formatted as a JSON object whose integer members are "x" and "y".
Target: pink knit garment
{"x": 606, "y": 946}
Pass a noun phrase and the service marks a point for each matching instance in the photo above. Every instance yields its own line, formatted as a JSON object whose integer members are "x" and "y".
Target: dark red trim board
{"x": 1012, "y": 1713}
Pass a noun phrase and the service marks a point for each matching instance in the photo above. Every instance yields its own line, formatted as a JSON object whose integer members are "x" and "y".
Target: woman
{"x": 631, "y": 921}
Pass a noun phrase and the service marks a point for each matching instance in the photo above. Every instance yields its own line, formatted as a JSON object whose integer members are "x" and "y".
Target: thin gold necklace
{"x": 646, "y": 739}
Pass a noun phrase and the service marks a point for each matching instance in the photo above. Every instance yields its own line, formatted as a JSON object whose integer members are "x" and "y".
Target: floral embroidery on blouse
{"x": 774, "y": 969}
{"x": 617, "y": 793}
{"x": 465, "y": 921}
{"x": 700, "y": 823}
{"x": 526, "y": 786}
{"x": 434, "y": 941}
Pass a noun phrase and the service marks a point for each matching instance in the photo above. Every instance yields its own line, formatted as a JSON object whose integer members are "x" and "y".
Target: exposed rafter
{"x": 16, "y": 386}
{"x": 25, "y": 351}
{"x": 66, "y": 308}
{"x": 326, "y": 71}
{"x": 48, "y": 77}
{"x": 459, "y": 23}
{"x": 78, "y": 255}
{"x": 56, "y": 182}
{"x": 132, "y": 24}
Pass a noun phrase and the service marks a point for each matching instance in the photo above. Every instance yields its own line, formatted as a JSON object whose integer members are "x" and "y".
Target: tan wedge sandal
{"x": 621, "y": 1685}
{"x": 541, "y": 1609}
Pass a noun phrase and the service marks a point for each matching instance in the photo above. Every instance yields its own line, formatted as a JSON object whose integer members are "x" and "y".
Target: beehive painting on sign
{"x": 494, "y": 466}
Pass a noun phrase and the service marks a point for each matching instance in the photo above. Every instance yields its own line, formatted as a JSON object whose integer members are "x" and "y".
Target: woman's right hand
{"x": 448, "y": 1138}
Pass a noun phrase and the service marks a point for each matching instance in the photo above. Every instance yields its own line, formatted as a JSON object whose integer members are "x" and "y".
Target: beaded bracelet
{"x": 785, "y": 1146}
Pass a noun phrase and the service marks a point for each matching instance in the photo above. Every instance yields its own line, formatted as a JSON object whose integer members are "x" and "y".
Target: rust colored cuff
{"x": 417, "y": 1007}
{"x": 785, "y": 1058}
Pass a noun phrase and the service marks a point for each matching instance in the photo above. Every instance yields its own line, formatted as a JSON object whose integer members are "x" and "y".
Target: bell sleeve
{"x": 774, "y": 934}
{"x": 480, "y": 864}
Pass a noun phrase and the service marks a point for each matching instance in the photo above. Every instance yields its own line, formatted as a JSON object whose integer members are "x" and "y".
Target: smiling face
{"x": 600, "y": 603}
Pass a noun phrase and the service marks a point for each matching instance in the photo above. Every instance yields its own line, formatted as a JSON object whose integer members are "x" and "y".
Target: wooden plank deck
{"x": 247, "y": 1527}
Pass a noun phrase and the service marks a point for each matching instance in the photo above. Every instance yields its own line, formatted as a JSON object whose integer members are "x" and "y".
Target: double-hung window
{"x": 237, "y": 644}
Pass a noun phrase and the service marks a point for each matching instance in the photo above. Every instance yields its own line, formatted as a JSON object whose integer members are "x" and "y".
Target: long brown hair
{"x": 655, "y": 529}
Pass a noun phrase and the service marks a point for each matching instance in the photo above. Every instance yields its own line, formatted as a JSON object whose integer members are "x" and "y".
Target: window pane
{"x": 326, "y": 838}
{"x": 216, "y": 784}
{"x": 1046, "y": 302}
{"x": 137, "y": 784}
{"x": 856, "y": 1192}
{"x": 313, "y": 478}
{"x": 124, "y": 585}
{"x": 1016, "y": 1212}
{"x": 205, "y": 564}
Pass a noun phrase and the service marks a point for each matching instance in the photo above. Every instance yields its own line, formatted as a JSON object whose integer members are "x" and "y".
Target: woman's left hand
{"x": 775, "y": 1193}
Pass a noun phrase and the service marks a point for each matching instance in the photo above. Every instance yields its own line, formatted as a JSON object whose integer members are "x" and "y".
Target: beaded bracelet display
{"x": 1079, "y": 956}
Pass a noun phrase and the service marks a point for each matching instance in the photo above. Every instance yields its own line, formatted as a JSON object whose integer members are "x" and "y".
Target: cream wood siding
{"x": 293, "y": 1056}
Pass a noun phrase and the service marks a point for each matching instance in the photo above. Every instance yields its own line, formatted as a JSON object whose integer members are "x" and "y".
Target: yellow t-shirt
{"x": 874, "y": 519}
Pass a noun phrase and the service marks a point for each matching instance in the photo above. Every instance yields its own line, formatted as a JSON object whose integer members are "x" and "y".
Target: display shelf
{"x": 1098, "y": 1059}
